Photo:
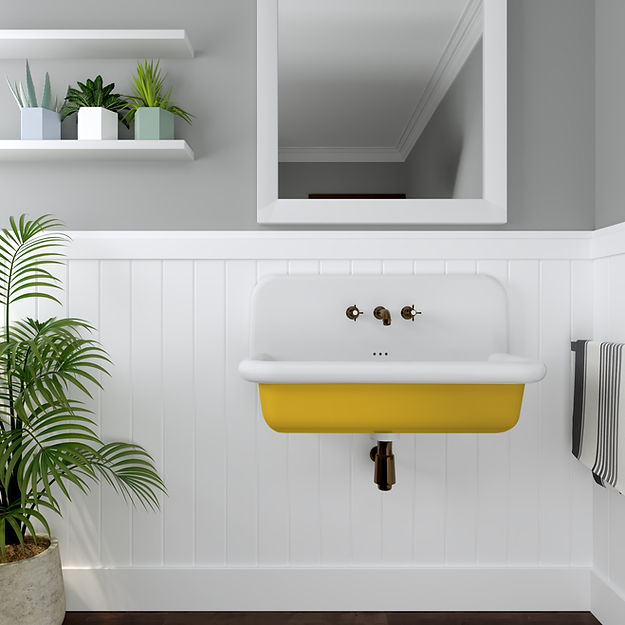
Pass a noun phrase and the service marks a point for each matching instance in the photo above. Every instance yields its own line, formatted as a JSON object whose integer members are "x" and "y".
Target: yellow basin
{"x": 393, "y": 408}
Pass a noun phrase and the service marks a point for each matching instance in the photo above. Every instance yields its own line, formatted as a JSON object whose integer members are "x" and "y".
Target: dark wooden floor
{"x": 330, "y": 618}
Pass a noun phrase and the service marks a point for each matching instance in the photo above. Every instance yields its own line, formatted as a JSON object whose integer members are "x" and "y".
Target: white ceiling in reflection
{"x": 351, "y": 72}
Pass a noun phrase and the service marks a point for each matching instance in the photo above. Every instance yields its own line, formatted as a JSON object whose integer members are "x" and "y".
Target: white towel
{"x": 599, "y": 412}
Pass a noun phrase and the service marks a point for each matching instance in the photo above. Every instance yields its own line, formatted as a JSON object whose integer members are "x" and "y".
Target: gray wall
{"x": 551, "y": 112}
{"x": 446, "y": 161}
{"x": 610, "y": 113}
{"x": 218, "y": 190}
{"x": 297, "y": 180}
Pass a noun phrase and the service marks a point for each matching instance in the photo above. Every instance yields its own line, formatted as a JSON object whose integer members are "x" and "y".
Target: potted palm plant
{"x": 48, "y": 440}
{"x": 37, "y": 122}
{"x": 151, "y": 108}
{"x": 98, "y": 108}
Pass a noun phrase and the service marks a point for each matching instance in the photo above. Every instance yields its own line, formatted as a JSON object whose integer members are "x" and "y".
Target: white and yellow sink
{"x": 448, "y": 370}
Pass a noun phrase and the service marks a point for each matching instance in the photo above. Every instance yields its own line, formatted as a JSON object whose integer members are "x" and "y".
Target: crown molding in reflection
{"x": 463, "y": 40}
{"x": 340, "y": 155}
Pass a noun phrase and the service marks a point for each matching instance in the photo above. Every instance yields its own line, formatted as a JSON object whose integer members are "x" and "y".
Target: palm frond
{"x": 49, "y": 443}
{"x": 130, "y": 470}
{"x": 26, "y": 249}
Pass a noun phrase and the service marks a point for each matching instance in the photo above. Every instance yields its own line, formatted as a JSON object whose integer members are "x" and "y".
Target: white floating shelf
{"x": 95, "y": 44}
{"x": 68, "y": 150}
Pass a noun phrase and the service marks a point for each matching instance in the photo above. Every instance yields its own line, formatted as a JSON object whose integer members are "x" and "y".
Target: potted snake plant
{"x": 98, "y": 109}
{"x": 38, "y": 121}
{"x": 48, "y": 440}
{"x": 152, "y": 110}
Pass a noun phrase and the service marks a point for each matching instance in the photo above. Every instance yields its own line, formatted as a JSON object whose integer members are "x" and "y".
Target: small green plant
{"x": 94, "y": 93}
{"x": 48, "y": 440}
{"x": 147, "y": 91}
{"x": 27, "y": 98}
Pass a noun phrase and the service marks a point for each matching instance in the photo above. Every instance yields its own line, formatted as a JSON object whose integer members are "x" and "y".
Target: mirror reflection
{"x": 380, "y": 99}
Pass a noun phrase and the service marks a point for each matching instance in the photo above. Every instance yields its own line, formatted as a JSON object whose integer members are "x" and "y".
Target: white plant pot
{"x": 96, "y": 123}
{"x": 32, "y": 590}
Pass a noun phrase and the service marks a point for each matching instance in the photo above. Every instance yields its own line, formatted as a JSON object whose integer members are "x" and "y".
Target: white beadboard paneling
{"x": 580, "y": 478}
{"x": 175, "y": 318}
{"x": 116, "y": 401}
{"x": 602, "y": 298}
{"x": 609, "y": 506}
{"x": 147, "y": 396}
{"x": 83, "y": 518}
{"x": 462, "y": 478}
{"x": 555, "y": 429}
{"x": 430, "y": 468}
{"x": 61, "y": 527}
{"x": 304, "y": 475}
{"x": 617, "y": 539}
{"x": 273, "y": 473}
{"x": 366, "y": 499}
{"x": 241, "y": 421}
{"x": 178, "y": 412}
{"x": 601, "y": 496}
{"x": 430, "y": 500}
{"x": 334, "y": 498}
{"x": 304, "y": 499}
{"x": 601, "y": 531}
{"x": 209, "y": 413}
{"x": 335, "y": 475}
{"x": 493, "y": 472}
{"x": 524, "y": 516}
{"x": 616, "y": 310}
{"x": 399, "y": 506}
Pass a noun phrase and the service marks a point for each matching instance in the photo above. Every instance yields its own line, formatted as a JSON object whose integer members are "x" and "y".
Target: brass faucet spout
{"x": 383, "y": 314}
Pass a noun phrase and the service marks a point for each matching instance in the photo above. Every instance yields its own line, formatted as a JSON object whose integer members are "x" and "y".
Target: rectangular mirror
{"x": 382, "y": 113}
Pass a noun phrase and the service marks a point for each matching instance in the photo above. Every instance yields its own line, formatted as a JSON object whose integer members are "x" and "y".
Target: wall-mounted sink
{"x": 323, "y": 367}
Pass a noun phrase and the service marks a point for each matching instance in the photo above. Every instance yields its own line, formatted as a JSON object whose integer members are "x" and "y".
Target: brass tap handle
{"x": 353, "y": 313}
{"x": 409, "y": 312}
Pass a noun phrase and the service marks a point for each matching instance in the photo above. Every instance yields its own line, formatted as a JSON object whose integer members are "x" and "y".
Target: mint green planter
{"x": 154, "y": 123}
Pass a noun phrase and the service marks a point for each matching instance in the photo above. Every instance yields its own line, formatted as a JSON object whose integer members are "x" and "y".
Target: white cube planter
{"x": 96, "y": 123}
{"x": 38, "y": 123}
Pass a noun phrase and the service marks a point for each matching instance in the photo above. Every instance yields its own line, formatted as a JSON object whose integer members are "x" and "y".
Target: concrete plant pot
{"x": 32, "y": 589}
{"x": 154, "y": 123}
{"x": 39, "y": 123}
{"x": 97, "y": 123}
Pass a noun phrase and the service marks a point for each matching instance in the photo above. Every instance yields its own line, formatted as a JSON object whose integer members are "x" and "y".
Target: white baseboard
{"x": 280, "y": 589}
{"x": 606, "y": 602}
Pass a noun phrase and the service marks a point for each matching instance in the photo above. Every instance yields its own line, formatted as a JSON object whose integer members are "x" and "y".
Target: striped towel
{"x": 598, "y": 412}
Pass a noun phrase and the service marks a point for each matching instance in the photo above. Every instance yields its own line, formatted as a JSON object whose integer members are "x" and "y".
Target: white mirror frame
{"x": 491, "y": 209}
